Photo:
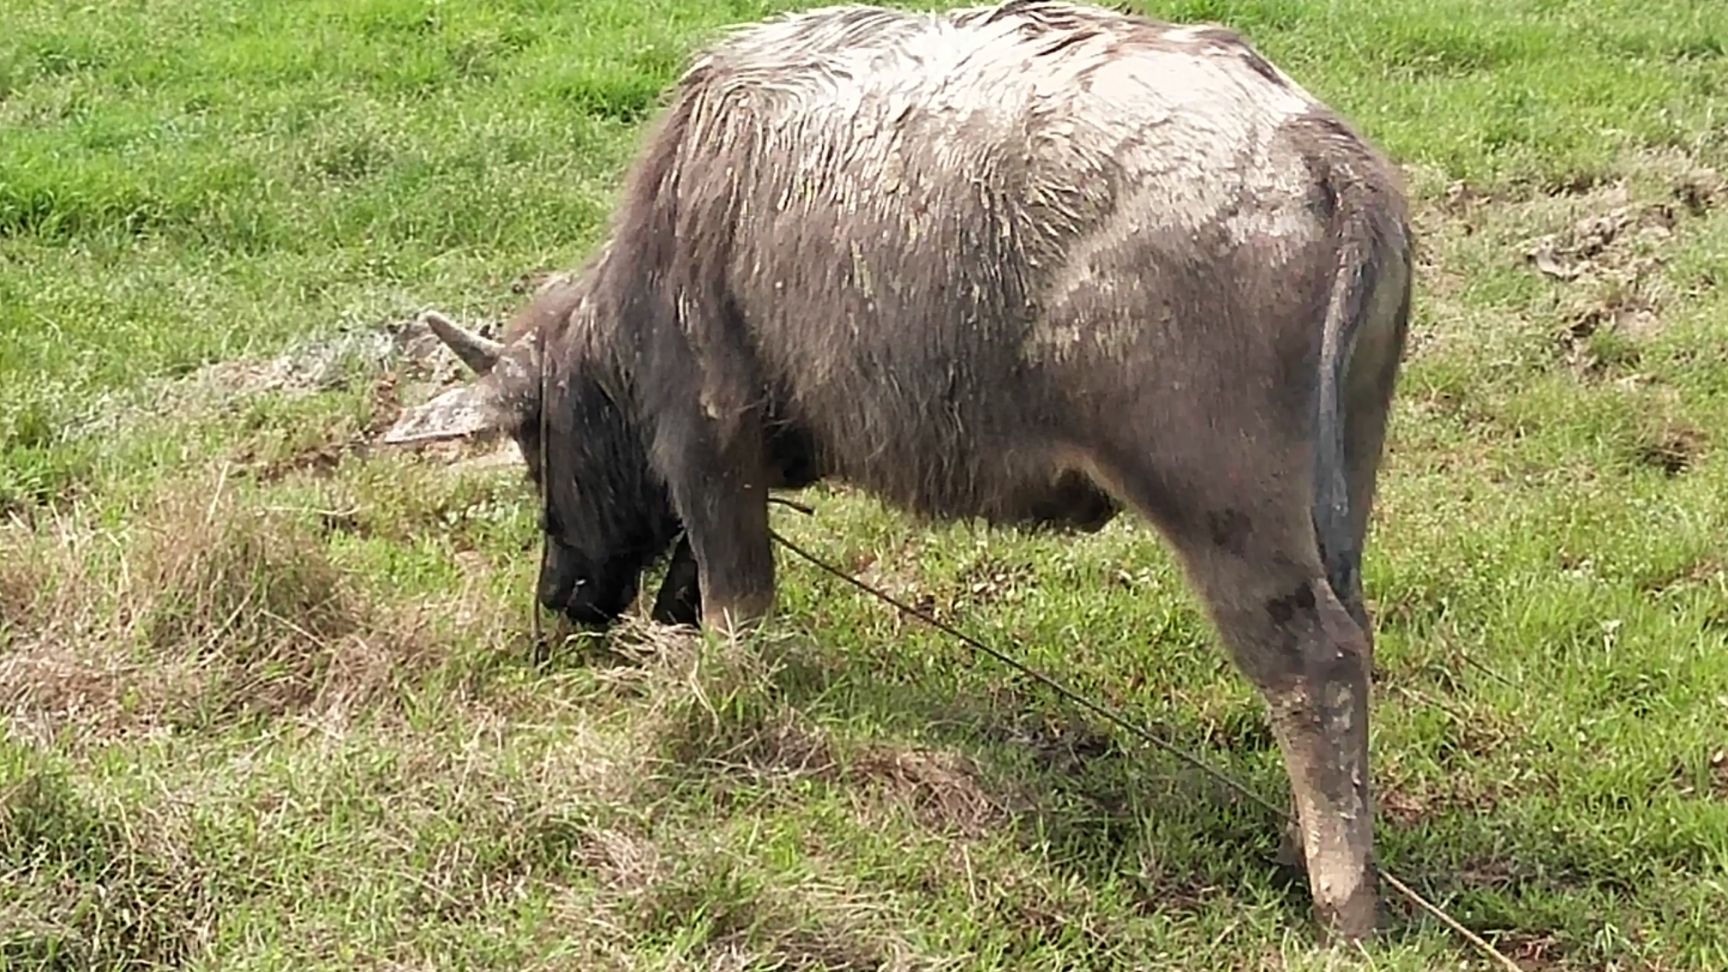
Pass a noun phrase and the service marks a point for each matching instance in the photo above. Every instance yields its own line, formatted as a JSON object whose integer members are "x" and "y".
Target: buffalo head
{"x": 604, "y": 515}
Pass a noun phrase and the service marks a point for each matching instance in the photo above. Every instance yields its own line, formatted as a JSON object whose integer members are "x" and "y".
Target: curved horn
{"x": 478, "y": 353}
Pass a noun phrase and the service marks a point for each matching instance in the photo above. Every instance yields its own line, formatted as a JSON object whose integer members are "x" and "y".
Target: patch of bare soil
{"x": 1612, "y": 263}
{"x": 991, "y": 580}
{"x": 1412, "y": 807}
{"x": 207, "y": 607}
{"x": 1610, "y": 253}
{"x": 1589, "y": 245}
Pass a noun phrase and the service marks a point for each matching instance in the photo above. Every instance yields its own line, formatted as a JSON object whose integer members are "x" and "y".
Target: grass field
{"x": 269, "y": 693}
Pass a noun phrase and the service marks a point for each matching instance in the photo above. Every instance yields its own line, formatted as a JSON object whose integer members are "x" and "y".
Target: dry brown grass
{"x": 22, "y": 581}
{"x": 807, "y": 921}
{"x": 944, "y": 790}
{"x": 207, "y": 606}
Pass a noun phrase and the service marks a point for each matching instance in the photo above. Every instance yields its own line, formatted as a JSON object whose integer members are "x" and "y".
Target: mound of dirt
{"x": 1603, "y": 241}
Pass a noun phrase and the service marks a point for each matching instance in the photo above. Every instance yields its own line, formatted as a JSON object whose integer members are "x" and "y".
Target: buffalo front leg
{"x": 680, "y": 599}
{"x": 721, "y": 493}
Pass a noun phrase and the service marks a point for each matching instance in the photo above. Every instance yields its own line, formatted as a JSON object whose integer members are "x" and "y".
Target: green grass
{"x": 269, "y": 695}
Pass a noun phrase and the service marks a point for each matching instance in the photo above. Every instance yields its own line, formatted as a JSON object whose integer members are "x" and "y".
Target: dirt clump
{"x": 1588, "y": 246}
{"x": 1673, "y": 449}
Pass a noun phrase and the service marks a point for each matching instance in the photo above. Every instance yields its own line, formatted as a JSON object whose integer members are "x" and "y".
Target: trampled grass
{"x": 269, "y": 694}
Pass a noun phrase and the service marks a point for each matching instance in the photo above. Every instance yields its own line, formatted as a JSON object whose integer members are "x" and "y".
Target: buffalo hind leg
{"x": 1255, "y": 562}
{"x": 1369, "y": 403}
{"x": 1371, "y": 383}
{"x": 1297, "y": 642}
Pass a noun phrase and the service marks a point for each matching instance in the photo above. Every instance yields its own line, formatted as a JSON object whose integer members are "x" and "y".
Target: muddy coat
{"x": 1030, "y": 263}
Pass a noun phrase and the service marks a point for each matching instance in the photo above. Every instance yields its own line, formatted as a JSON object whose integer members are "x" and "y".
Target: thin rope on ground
{"x": 1132, "y": 728}
{"x": 1445, "y": 919}
{"x": 1048, "y": 682}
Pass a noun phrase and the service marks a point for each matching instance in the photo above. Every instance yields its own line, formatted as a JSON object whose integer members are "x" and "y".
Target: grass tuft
{"x": 247, "y": 586}
{"x": 102, "y": 887}
{"x": 203, "y": 609}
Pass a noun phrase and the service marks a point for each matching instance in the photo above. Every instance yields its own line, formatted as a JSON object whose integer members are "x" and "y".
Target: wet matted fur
{"x": 1032, "y": 263}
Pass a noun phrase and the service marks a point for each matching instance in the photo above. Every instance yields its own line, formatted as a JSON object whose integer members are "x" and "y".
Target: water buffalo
{"x": 1029, "y": 262}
